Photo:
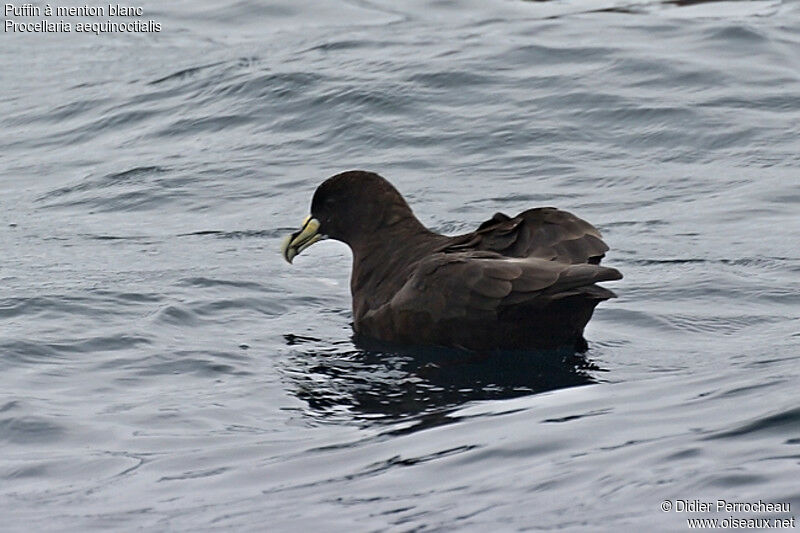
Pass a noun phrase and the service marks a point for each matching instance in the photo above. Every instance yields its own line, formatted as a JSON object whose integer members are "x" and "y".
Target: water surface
{"x": 162, "y": 368}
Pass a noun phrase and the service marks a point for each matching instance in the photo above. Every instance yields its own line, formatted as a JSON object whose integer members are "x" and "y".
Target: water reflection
{"x": 372, "y": 382}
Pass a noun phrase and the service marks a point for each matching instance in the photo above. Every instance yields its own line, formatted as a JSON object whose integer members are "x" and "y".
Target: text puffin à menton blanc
{"x": 54, "y": 26}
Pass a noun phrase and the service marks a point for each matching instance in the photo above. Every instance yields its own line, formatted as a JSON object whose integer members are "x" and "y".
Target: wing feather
{"x": 506, "y": 266}
{"x": 543, "y": 232}
{"x": 448, "y": 285}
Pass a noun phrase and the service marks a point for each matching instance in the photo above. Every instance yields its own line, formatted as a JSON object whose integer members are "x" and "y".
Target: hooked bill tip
{"x": 288, "y": 252}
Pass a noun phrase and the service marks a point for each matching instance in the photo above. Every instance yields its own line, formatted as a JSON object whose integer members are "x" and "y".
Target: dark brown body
{"x": 433, "y": 293}
{"x": 526, "y": 282}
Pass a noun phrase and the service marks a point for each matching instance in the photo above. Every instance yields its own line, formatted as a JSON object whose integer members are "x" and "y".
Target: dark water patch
{"x": 389, "y": 386}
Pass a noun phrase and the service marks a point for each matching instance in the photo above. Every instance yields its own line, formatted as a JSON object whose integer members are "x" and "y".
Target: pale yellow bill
{"x": 300, "y": 240}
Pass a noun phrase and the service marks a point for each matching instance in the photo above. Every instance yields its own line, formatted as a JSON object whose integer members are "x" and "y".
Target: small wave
{"x": 203, "y": 363}
{"x": 30, "y": 429}
{"x": 782, "y": 423}
{"x": 198, "y": 312}
{"x": 208, "y": 282}
{"x": 184, "y": 73}
{"x": 241, "y": 234}
{"x": 197, "y": 125}
{"x": 136, "y": 175}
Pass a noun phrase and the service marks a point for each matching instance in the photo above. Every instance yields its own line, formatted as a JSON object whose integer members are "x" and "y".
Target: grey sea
{"x": 163, "y": 369}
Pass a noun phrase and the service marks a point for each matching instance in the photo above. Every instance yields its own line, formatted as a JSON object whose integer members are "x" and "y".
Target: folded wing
{"x": 479, "y": 283}
{"x": 544, "y": 232}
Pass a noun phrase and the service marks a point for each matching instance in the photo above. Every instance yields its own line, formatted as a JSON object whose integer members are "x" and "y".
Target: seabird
{"x": 523, "y": 282}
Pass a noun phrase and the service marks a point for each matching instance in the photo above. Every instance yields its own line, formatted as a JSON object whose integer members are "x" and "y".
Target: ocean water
{"x": 162, "y": 368}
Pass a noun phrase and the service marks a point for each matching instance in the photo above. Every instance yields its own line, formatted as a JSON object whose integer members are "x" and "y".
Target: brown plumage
{"x": 523, "y": 282}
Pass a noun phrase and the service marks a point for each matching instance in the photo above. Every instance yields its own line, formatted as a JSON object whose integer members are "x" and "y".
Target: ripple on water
{"x": 26, "y": 353}
{"x": 30, "y": 429}
{"x": 194, "y": 314}
{"x": 184, "y": 362}
{"x": 784, "y": 423}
